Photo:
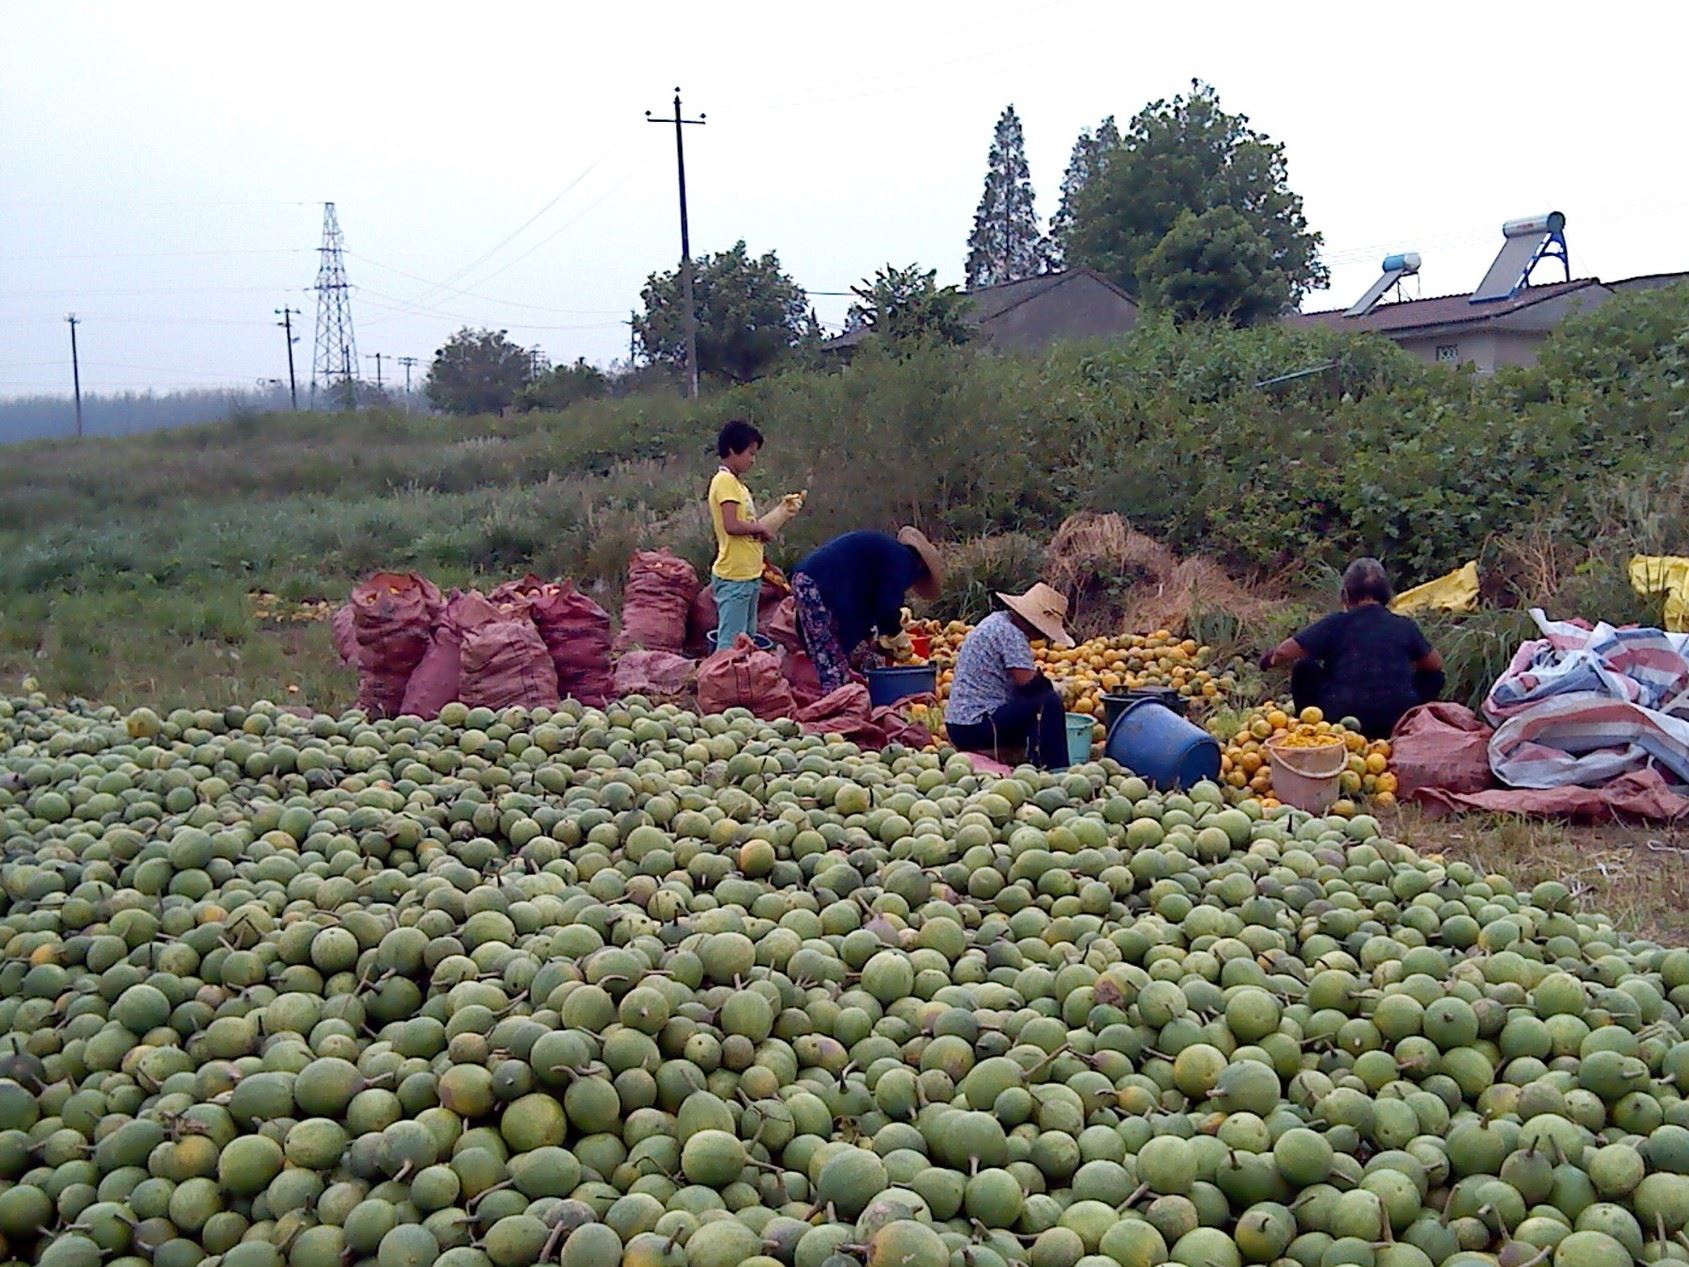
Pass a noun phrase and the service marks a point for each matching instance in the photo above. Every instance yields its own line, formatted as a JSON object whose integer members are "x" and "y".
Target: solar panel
{"x": 1508, "y": 270}
{"x": 1364, "y": 304}
{"x": 1524, "y": 242}
{"x": 1396, "y": 267}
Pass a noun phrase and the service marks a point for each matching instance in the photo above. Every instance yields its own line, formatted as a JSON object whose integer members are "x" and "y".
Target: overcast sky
{"x": 163, "y": 165}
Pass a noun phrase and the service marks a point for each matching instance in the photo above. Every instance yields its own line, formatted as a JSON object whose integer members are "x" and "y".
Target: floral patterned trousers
{"x": 821, "y": 636}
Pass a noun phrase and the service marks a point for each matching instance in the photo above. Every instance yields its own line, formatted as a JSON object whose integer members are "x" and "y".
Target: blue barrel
{"x": 1114, "y": 705}
{"x": 887, "y": 686}
{"x": 1153, "y": 741}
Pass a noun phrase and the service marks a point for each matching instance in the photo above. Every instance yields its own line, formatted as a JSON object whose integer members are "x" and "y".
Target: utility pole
{"x": 633, "y": 343}
{"x": 76, "y": 371}
{"x": 690, "y": 315}
{"x": 286, "y": 323}
{"x": 539, "y": 364}
{"x": 408, "y": 362}
{"x": 376, "y": 357}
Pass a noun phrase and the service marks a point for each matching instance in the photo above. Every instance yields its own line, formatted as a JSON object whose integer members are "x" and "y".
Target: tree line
{"x": 1188, "y": 208}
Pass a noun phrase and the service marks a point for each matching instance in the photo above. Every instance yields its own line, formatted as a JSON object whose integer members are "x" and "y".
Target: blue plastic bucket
{"x": 887, "y": 686}
{"x": 760, "y": 642}
{"x": 1080, "y": 728}
{"x": 1151, "y": 740}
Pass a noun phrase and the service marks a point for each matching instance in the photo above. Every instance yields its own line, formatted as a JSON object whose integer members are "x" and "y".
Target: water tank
{"x": 1531, "y": 226}
{"x": 1406, "y": 262}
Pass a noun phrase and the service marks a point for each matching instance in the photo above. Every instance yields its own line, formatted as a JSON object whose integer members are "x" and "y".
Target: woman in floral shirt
{"x": 998, "y": 699}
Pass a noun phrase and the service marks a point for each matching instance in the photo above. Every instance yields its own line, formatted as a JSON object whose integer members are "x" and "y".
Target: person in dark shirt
{"x": 1365, "y": 661}
{"x": 855, "y": 586}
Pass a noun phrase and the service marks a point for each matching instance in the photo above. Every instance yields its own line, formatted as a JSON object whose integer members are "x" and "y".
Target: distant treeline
{"x": 125, "y": 413}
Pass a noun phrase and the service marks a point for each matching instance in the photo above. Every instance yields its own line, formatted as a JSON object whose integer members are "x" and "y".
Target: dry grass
{"x": 1088, "y": 546}
{"x": 1636, "y": 875}
{"x": 1116, "y": 578}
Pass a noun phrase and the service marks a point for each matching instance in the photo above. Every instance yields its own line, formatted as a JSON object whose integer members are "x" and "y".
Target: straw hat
{"x": 1044, "y": 609}
{"x": 916, "y": 540}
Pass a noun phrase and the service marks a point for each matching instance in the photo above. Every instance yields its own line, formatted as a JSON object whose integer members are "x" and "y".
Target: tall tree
{"x": 1182, "y": 155}
{"x": 1005, "y": 244}
{"x": 908, "y": 305}
{"x": 1215, "y": 266}
{"x": 750, "y": 313}
{"x": 477, "y": 372}
{"x": 563, "y": 385}
{"x": 1090, "y": 151}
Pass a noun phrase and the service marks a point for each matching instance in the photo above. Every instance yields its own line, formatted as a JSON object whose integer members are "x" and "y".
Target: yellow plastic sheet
{"x": 1456, "y": 592}
{"x": 1668, "y": 574}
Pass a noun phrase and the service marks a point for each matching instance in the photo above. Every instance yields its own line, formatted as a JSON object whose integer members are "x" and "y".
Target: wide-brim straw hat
{"x": 1044, "y": 609}
{"x": 930, "y": 585}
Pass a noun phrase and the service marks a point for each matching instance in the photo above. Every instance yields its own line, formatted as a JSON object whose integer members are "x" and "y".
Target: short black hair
{"x": 736, "y": 436}
{"x": 1366, "y": 578}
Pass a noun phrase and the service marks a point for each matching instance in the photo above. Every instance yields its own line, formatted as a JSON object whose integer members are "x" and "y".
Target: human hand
{"x": 793, "y": 502}
{"x": 1266, "y": 660}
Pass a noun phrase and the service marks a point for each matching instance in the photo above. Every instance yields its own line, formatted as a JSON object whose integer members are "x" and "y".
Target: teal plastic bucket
{"x": 1154, "y": 742}
{"x": 1080, "y": 727}
{"x": 760, "y": 641}
{"x": 887, "y": 686}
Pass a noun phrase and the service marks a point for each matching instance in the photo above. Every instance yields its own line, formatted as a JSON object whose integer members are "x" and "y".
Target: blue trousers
{"x": 736, "y": 609}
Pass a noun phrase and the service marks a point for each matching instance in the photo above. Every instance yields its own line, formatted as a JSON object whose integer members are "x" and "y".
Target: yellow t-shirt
{"x": 736, "y": 558}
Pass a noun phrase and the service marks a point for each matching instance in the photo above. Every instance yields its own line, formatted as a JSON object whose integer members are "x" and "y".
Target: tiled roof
{"x": 1440, "y": 310}
{"x": 990, "y": 302}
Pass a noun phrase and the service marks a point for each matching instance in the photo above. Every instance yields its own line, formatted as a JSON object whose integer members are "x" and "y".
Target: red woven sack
{"x": 701, "y": 620}
{"x": 781, "y": 625}
{"x": 846, "y": 713}
{"x": 438, "y": 678}
{"x": 505, "y": 661}
{"x": 899, "y": 727}
{"x": 800, "y": 674}
{"x": 393, "y": 618}
{"x": 744, "y": 677}
{"x": 576, "y": 632}
{"x": 655, "y": 602}
{"x": 343, "y": 631}
{"x": 1440, "y": 745}
{"x": 654, "y": 673}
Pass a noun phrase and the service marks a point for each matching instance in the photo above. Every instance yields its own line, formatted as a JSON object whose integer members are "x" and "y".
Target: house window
{"x": 1448, "y": 353}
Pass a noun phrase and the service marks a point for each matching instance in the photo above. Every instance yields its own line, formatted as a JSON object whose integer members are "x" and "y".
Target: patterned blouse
{"x": 982, "y": 683}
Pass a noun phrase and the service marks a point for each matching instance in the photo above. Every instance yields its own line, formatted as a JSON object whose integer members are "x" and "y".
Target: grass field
{"x": 128, "y": 566}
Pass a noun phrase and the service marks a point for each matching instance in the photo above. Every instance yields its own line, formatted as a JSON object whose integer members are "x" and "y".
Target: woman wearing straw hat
{"x": 855, "y": 586}
{"x": 998, "y": 699}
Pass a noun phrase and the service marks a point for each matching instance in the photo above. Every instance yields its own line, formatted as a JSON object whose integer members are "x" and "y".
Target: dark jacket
{"x": 864, "y": 578}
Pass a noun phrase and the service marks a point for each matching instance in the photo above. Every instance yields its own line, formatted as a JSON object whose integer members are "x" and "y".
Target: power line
{"x": 566, "y": 225}
{"x": 150, "y": 255}
{"x": 469, "y": 294}
{"x": 507, "y": 238}
{"x": 410, "y": 306}
{"x": 140, "y": 290}
{"x": 365, "y": 292}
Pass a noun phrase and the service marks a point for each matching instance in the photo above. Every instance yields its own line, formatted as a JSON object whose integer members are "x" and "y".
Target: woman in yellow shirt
{"x": 736, "y": 578}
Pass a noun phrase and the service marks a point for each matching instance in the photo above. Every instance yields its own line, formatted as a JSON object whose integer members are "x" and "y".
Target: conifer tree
{"x": 1090, "y": 152}
{"x": 1005, "y": 244}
